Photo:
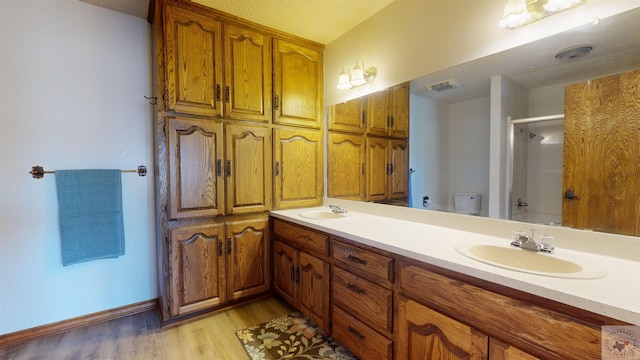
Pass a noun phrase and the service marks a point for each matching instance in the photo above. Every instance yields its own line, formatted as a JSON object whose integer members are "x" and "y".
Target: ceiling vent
{"x": 574, "y": 52}
{"x": 442, "y": 86}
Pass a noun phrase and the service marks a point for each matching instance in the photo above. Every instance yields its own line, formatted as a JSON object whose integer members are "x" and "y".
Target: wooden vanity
{"x": 383, "y": 305}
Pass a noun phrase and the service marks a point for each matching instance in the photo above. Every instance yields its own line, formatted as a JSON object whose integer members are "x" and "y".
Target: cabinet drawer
{"x": 370, "y": 303}
{"x": 369, "y": 262}
{"x": 304, "y": 239}
{"x": 360, "y": 339}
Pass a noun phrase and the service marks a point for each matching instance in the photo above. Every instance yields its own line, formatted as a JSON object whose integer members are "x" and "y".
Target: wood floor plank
{"x": 140, "y": 337}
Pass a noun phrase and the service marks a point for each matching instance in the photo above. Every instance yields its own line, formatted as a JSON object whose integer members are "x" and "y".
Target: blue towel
{"x": 91, "y": 221}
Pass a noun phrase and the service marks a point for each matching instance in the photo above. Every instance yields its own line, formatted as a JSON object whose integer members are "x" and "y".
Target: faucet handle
{"x": 546, "y": 243}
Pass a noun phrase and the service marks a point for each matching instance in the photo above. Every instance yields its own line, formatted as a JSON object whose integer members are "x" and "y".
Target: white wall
{"x": 73, "y": 77}
{"x": 469, "y": 149}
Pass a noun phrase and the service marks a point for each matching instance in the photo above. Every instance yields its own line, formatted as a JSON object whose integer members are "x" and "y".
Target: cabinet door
{"x": 499, "y": 350}
{"x": 399, "y": 169}
{"x": 398, "y": 108}
{"x": 425, "y": 334}
{"x": 345, "y": 166}
{"x": 247, "y": 90}
{"x": 284, "y": 278}
{"x": 248, "y": 169}
{"x": 376, "y": 115}
{"x": 377, "y": 168}
{"x": 193, "y": 62}
{"x": 196, "y": 268}
{"x": 195, "y": 168}
{"x": 313, "y": 282}
{"x": 298, "y": 85}
{"x": 348, "y": 116}
{"x": 298, "y": 169}
{"x": 248, "y": 260}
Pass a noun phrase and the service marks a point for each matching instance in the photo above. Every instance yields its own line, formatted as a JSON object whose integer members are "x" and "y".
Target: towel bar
{"x": 37, "y": 172}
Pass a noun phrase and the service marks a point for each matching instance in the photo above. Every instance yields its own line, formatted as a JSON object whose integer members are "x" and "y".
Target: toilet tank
{"x": 467, "y": 202}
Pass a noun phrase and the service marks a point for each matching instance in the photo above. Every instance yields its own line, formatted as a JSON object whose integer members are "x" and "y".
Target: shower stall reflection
{"x": 536, "y": 181}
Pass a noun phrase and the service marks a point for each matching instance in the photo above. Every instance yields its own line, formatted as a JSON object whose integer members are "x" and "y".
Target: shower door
{"x": 536, "y": 170}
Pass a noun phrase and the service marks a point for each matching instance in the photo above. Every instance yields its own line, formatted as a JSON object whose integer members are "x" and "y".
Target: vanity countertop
{"x": 617, "y": 295}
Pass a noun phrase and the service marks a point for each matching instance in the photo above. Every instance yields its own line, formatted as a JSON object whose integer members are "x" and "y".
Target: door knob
{"x": 570, "y": 194}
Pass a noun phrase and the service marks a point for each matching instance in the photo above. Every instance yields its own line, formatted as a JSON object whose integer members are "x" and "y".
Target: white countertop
{"x": 617, "y": 295}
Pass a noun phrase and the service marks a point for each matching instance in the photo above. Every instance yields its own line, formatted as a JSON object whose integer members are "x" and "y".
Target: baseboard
{"x": 50, "y": 329}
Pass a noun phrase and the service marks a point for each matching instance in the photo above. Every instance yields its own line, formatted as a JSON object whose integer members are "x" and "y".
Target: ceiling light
{"x": 520, "y": 12}
{"x": 359, "y": 76}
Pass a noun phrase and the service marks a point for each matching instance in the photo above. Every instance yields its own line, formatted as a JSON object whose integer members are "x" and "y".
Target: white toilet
{"x": 467, "y": 202}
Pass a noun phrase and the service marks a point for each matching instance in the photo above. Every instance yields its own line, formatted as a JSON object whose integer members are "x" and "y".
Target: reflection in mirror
{"x": 450, "y": 135}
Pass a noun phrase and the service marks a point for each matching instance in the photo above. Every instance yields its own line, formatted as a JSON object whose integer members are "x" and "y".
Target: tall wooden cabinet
{"x": 238, "y": 132}
{"x": 383, "y": 118}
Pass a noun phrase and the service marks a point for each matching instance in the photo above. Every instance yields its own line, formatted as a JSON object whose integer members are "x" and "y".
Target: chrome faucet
{"x": 527, "y": 242}
{"x": 338, "y": 208}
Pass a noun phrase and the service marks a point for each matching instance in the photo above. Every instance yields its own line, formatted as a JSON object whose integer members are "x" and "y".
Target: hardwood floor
{"x": 141, "y": 337}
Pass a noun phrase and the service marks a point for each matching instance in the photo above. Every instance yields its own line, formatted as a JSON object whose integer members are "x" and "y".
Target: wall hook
{"x": 154, "y": 98}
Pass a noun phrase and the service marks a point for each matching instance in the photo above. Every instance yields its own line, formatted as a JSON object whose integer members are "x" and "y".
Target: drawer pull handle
{"x": 356, "y": 289}
{"x": 357, "y": 260}
{"x": 357, "y": 334}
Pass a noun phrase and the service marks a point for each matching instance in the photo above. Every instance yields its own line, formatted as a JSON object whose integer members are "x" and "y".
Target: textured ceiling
{"x": 318, "y": 20}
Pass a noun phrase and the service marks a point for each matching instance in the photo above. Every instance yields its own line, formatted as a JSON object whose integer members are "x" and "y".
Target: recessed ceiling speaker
{"x": 574, "y": 52}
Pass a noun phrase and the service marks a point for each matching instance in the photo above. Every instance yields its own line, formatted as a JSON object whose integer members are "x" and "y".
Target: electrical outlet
{"x": 425, "y": 201}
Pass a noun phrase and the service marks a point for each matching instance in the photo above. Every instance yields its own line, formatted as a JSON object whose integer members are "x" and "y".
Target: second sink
{"x": 322, "y": 215}
{"x": 531, "y": 261}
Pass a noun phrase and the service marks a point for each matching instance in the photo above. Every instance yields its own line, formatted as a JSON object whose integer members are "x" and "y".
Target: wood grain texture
{"x": 370, "y": 303}
{"x": 314, "y": 288}
{"x": 499, "y": 350}
{"x": 298, "y": 84}
{"x": 531, "y": 328}
{"x": 377, "y": 168}
{"x": 193, "y": 62}
{"x": 248, "y": 169}
{"x": 196, "y": 187}
{"x": 374, "y": 266}
{"x": 247, "y": 88}
{"x": 398, "y": 104}
{"x": 424, "y": 334}
{"x": 399, "y": 177}
{"x": 602, "y": 154}
{"x": 300, "y": 180}
{"x": 285, "y": 260}
{"x": 360, "y": 339}
{"x": 345, "y": 164}
{"x": 348, "y": 116}
{"x": 140, "y": 336}
{"x": 249, "y": 258}
{"x": 377, "y": 115}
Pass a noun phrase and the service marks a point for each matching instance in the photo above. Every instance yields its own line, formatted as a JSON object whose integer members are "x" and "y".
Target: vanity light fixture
{"x": 357, "y": 77}
{"x": 520, "y": 12}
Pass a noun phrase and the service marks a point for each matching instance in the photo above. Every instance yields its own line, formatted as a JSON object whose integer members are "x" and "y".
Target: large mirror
{"x": 452, "y": 126}
{"x": 451, "y": 134}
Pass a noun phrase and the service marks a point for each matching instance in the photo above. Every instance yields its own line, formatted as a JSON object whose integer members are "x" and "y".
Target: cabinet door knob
{"x": 228, "y": 168}
{"x": 277, "y": 168}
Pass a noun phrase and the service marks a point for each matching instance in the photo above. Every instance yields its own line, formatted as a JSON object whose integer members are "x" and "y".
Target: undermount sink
{"x": 322, "y": 215}
{"x": 532, "y": 262}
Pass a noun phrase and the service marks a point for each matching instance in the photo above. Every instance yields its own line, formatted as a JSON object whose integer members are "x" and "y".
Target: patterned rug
{"x": 290, "y": 337}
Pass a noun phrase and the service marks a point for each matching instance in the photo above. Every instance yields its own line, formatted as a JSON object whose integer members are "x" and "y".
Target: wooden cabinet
{"x": 345, "y": 166}
{"x": 388, "y": 112}
{"x": 362, "y": 299}
{"x": 199, "y": 168}
{"x": 301, "y": 276}
{"x": 532, "y": 330}
{"x": 205, "y": 260}
{"x": 248, "y": 168}
{"x": 425, "y": 334}
{"x": 298, "y": 84}
{"x": 387, "y": 169}
{"x": 193, "y": 62}
{"x": 196, "y": 185}
{"x": 348, "y": 116}
{"x": 247, "y": 87}
{"x": 228, "y": 86}
{"x": 299, "y": 168}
